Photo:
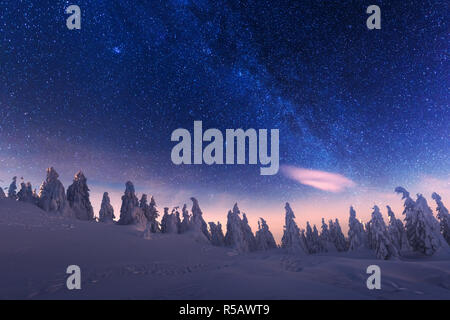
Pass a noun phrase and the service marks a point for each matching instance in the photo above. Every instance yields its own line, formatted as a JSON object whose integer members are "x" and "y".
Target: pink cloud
{"x": 322, "y": 180}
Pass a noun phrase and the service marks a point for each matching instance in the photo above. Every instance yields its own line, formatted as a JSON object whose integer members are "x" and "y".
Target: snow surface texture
{"x": 119, "y": 262}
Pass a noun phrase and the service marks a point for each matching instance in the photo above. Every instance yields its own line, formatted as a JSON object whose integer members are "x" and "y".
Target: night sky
{"x": 371, "y": 106}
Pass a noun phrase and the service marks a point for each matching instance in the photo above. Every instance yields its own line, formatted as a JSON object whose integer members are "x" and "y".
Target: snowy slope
{"x": 117, "y": 263}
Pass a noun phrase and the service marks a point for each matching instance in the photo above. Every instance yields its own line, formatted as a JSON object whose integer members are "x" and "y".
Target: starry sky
{"x": 368, "y": 107}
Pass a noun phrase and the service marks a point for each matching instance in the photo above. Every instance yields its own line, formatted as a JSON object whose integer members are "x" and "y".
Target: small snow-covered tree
{"x": 106, "y": 213}
{"x": 130, "y": 213}
{"x": 397, "y": 232}
{"x": 336, "y": 235}
{"x": 356, "y": 233}
{"x": 264, "y": 238}
{"x": 165, "y": 220}
{"x": 185, "y": 224}
{"x": 248, "y": 233}
{"x": 325, "y": 237}
{"x": 148, "y": 232}
{"x": 217, "y": 237}
{"x": 52, "y": 195}
{"x": 12, "y": 189}
{"x": 148, "y": 212}
{"x": 153, "y": 214}
{"x": 26, "y": 193}
{"x": 443, "y": 216}
{"x": 292, "y": 239}
{"x": 420, "y": 227}
{"x": 312, "y": 239}
{"x": 379, "y": 238}
{"x": 2, "y": 194}
{"x": 235, "y": 235}
{"x": 197, "y": 222}
{"x": 78, "y": 198}
{"x": 320, "y": 246}
{"x": 169, "y": 222}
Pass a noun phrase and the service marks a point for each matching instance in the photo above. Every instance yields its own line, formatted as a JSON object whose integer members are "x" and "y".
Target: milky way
{"x": 371, "y": 105}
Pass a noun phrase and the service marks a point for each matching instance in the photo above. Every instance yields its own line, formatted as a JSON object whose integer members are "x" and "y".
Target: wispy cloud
{"x": 322, "y": 180}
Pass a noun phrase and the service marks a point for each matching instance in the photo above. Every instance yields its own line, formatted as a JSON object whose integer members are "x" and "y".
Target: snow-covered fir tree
{"x": 173, "y": 222}
{"x": 78, "y": 198}
{"x": 169, "y": 222}
{"x": 320, "y": 245}
{"x": 153, "y": 214}
{"x": 379, "y": 238}
{"x": 325, "y": 238}
{"x": 145, "y": 208}
{"x": 336, "y": 235}
{"x": 443, "y": 216}
{"x": 397, "y": 232}
{"x": 2, "y": 194}
{"x": 248, "y": 233}
{"x": 292, "y": 238}
{"x": 312, "y": 240}
{"x": 130, "y": 213}
{"x": 26, "y": 194}
{"x": 197, "y": 222}
{"x": 12, "y": 189}
{"x": 423, "y": 206}
{"x": 106, "y": 213}
{"x": 217, "y": 237}
{"x": 420, "y": 227}
{"x": 235, "y": 235}
{"x": 356, "y": 233}
{"x": 185, "y": 224}
{"x": 263, "y": 237}
{"x": 52, "y": 195}
{"x": 165, "y": 220}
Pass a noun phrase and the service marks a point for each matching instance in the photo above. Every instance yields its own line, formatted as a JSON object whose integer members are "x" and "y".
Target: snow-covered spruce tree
{"x": 173, "y": 221}
{"x": 422, "y": 205}
{"x": 264, "y": 238}
{"x": 234, "y": 237}
{"x": 248, "y": 233}
{"x": 52, "y": 195}
{"x": 337, "y": 237}
{"x": 420, "y": 228}
{"x": 26, "y": 193}
{"x": 169, "y": 222}
{"x": 310, "y": 243}
{"x": 325, "y": 237}
{"x": 106, "y": 213}
{"x": 320, "y": 245}
{"x": 12, "y": 189}
{"x": 292, "y": 239}
{"x": 145, "y": 208}
{"x": 2, "y": 194}
{"x": 312, "y": 240}
{"x": 217, "y": 237}
{"x": 397, "y": 232}
{"x": 130, "y": 213}
{"x": 185, "y": 224}
{"x": 78, "y": 198}
{"x": 443, "y": 216}
{"x": 197, "y": 222}
{"x": 165, "y": 220}
{"x": 356, "y": 233}
{"x": 379, "y": 238}
{"x": 152, "y": 215}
